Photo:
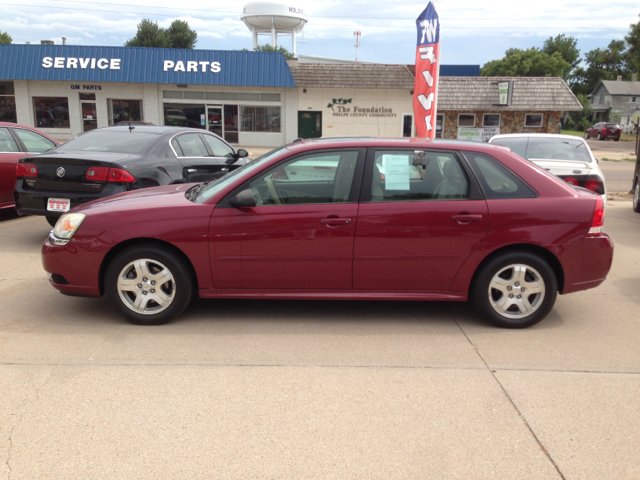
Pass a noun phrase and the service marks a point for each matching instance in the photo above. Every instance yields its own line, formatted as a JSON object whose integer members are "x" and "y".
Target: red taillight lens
{"x": 571, "y": 180}
{"x": 97, "y": 174}
{"x": 598, "y": 218}
{"x": 26, "y": 170}
{"x": 120, "y": 175}
{"x": 594, "y": 184}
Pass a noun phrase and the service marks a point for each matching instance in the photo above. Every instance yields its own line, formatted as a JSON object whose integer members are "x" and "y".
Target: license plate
{"x": 58, "y": 205}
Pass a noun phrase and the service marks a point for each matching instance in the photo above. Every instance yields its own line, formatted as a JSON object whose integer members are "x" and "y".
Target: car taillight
{"x": 26, "y": 170}
{"x": 571, "y": 180}
{"x": 598, "y": 218}
{"x": 594, "y": 184}
{"x": 120, "y": 175}
{"x": 97, "y": 174}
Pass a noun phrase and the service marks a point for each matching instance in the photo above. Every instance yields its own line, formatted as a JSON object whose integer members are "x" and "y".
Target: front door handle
{"x": 335, "y": 221}
{"x": 465, "y": 218}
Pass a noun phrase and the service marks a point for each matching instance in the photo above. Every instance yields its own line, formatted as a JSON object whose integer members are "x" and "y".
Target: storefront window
{"x": 124, "y": 111}
{"x": 7, "y": 103}
{"x": 261, "y": 119}
{"x": 184, "y": 115}
{"x": 51, "y": 112}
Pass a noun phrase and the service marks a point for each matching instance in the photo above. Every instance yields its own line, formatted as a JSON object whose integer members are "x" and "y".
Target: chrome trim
{"x": 53, "y": 240}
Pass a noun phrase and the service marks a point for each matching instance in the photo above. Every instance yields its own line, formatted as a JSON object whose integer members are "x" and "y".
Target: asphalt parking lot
{"x": 277, "y": 389}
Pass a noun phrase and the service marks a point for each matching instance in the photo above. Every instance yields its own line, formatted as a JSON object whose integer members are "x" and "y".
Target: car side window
{"x": 192, "y": 145}
{"x": 176, "y": 147}
{"x": 34, "y": 142}
{"x": 497, "y": 180}
{"x": 311, "y": 179}
{"x": 405, "y": 176}
{"x": 7, "y": 143}
{"x": 218, "y": 147}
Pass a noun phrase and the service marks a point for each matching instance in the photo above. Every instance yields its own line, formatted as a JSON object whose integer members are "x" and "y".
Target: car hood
{"x": 563, "y": 167}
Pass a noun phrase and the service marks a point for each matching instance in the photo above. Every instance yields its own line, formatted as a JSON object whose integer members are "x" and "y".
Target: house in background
{"x": 616, "y": 97}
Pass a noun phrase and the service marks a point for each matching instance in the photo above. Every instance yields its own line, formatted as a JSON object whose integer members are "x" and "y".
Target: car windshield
{"x": 211, "y": 188}
{"x": 547, "y": 148}
{"x": 108, "y": 140}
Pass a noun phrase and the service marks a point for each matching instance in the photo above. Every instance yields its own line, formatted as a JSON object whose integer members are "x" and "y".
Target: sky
{"x": 472, "y": 32}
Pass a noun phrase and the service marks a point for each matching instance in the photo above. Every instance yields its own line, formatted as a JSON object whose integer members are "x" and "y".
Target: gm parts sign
{"x": 115, "y": 63}
{"x": 425, "y": 89}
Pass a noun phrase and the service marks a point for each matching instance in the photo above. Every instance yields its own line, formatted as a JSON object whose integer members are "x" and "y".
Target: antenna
{"x": 357, "y": 35}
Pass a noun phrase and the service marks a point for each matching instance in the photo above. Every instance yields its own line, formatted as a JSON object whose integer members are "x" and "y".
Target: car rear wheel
{"x": 616, "y": 139}
{"x": 586, "y": 134}
{"x": 515, "y": 290}
{"x": 599, "y": 137}
{"x": 148, "y": 284}
{"x": 52, "y": 220}
{"x": 636, "y": 197}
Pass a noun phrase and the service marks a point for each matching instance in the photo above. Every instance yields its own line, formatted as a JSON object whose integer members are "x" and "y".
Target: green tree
{"x": 632, "y": 55}
{"x": 149, "y": 34}
{"x": 580, "y": 119}
{"x": 269, "y": 48}
{"x": 181, "y": 36}
{"x": 567, "y": 47}
{"x": 601, "y": 64}
{"x": 5, "y": 38}
{"x": 526, "y": 63}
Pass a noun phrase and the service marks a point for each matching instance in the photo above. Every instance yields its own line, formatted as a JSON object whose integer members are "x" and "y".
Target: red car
{"x": 16, "y": 142}
{"x": 604, "y": 131}
{"x": 316, "y": 220}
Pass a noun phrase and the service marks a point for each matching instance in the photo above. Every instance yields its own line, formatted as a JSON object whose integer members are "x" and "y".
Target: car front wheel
{"x": 636, "y": 197}
{"x": 599, "y": 137}
{"x": 148, "y": 284}
{"x": 515, "y": 290}
{"x": 586, "y": 134}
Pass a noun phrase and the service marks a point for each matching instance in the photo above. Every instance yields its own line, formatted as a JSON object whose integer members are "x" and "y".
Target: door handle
{"x": 465, "y": 218}
{"x": 224, "y": 169}
{"x": 335, "y": 221}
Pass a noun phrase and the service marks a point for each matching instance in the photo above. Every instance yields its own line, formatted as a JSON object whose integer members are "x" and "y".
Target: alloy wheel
{"x": 146, "y": 286}
{"x": 516, "y": 291}
{"x": 636, "y": 196}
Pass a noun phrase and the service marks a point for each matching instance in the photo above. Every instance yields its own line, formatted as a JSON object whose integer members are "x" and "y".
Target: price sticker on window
{"x": 396, "y": 172}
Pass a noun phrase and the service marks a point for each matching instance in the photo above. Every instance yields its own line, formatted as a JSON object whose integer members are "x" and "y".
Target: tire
{"x": 156, "y": 270}
{"x": 636, "y": 197}
{"x": 504, "y": 274}
{"x": 52, "y": 220}
{"x": 616, "y": 139}
{"x": 586, "y": 135}
{"x": 599, "y": 137}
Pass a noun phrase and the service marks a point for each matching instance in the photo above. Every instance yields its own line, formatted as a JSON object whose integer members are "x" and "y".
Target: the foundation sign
{"x": 342, "y": 107}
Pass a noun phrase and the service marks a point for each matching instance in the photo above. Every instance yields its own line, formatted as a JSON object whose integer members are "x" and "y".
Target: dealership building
{"x": 258, "y": 98}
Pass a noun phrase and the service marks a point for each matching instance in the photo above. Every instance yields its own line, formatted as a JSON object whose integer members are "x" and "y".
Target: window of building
{"x": 407, "y": 125}
{"x": 439, "y": 126}
{"x": 250, "y": 97}
{"x": 124, "y": 110}
{"x": 260, "y": 119}
{"x": 51, "y": 112}
{"x": 634, "y": 99}
{"x": 533, "y": 120}
{"x": 7, "y": 103}
{"x": 270, "y": 97}
{"x": 467, "y": 120}
{"x": 228, "y": 96}
{"x": 184, "y": 115}
{"x": 491, "y": 120}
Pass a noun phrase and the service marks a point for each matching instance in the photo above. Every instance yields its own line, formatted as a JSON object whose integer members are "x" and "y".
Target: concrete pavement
{"x": 275, "y": 389}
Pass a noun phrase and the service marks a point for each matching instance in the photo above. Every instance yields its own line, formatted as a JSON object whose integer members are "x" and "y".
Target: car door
{"x": 9, "y": 155}
{"x": 421, "y": 216}
{"x": 300, "y": 235}
{"x": 198, "y": 163}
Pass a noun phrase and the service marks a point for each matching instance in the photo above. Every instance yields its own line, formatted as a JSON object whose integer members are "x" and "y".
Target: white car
{"x": 566, "y": 156}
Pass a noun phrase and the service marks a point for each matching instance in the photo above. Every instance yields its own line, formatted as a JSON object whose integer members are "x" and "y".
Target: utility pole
{"x": 357, "y": 35}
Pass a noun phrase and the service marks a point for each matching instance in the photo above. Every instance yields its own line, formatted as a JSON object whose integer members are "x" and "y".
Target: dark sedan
{"x": 320, "y": 220}
{"x": 113, "y": 160}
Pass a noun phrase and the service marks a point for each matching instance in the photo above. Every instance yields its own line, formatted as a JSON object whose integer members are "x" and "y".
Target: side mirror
{"x": 597, "y": 161}
{"x": 243, "y": 199}
{"x": 242, "y": 153}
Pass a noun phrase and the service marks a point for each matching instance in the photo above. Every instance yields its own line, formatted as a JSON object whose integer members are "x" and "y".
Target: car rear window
{"x": 111, "y": 141}
{"x": 612, "y": 125}
{"x": 547, "y": 148}
{"x": 497, "y": 180}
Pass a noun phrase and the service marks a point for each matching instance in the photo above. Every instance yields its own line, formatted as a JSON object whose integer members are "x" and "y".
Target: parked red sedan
{"x": 604, "y": 131}
{"x": 16, "y": 142}
{"x": 317, "y": 220}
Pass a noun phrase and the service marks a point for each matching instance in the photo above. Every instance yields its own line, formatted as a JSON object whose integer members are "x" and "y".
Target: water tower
{"x": 274, "y": 19}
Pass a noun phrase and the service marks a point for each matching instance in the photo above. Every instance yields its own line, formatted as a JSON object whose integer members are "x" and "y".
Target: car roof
{"x": 406, "y": 142}
{"x": 541, "y": 135}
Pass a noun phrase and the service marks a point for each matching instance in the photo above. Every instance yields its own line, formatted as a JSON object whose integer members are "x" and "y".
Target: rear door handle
{"x": 466, "y": 218}
{"x": 334, "y": 221}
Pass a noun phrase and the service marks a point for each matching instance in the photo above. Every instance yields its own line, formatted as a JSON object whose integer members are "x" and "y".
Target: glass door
{"x": 88, "y": 106}
{"x": 231, "y": 123}
{"x": 214, "y": 119}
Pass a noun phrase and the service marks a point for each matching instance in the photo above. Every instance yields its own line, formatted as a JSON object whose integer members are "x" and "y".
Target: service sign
{"x": 425, "y": 90}
{"x": 483, "y": 135}
{"x": 503, "y": 90}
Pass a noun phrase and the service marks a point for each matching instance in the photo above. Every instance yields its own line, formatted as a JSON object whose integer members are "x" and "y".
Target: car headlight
{"x": 67, "y": 225}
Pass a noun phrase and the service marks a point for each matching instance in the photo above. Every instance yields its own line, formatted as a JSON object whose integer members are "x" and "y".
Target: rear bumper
{"x": 586, "y": 264}
{"x": 34, "y": 202}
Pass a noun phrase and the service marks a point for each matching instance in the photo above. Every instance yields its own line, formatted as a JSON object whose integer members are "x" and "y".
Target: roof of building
{"x": 77, "y": 63}
{"x": 455, "y": 93}
{"x": 621, "y": 88}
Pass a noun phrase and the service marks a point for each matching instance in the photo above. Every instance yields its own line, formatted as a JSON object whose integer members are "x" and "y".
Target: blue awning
{"x": 144, "y": 65}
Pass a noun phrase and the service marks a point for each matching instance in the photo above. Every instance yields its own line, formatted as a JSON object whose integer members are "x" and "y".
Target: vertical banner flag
{"x": 425, "y": 96}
